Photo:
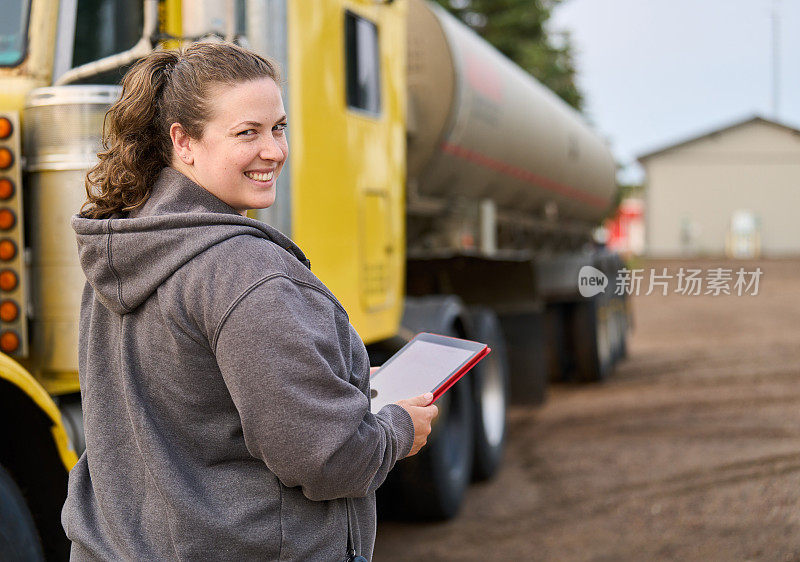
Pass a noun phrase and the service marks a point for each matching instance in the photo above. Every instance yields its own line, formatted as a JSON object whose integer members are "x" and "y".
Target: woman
{"x": 224, "y": 389}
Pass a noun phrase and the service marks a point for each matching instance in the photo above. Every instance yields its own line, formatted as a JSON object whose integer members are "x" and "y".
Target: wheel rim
{"x": 493, "y": 402}
{"x": 452, "y": 447}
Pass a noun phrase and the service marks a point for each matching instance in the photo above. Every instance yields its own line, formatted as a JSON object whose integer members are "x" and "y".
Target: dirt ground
{"x": 691, "y": 451}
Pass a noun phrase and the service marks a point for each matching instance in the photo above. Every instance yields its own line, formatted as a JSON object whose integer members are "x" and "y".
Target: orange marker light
{"x": 7, "y": 219}
{"x": 9, "y": 342}
{"x": 6, "y": 158}
{"x": 6, "y": 188}
{"x": 5, "y": 128}
{"x": 8, "y": 280}
{"x": 8, "y": 250}
{"x": 9, "y": 311}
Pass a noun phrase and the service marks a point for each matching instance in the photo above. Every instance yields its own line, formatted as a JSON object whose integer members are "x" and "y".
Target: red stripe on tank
{"x": 524, "y": 175}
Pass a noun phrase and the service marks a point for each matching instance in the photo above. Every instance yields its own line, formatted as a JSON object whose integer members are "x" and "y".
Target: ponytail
{"x": 163, "y": 88}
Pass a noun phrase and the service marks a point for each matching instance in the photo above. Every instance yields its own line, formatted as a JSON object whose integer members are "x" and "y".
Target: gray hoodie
{"x": 225, "y": 394}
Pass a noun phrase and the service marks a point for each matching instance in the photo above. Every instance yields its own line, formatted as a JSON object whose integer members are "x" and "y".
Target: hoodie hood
{"x": 126, "y": 259}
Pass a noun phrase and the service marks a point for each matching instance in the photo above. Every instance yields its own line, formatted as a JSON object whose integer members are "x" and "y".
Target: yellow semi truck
{"x": 433, "y": 184}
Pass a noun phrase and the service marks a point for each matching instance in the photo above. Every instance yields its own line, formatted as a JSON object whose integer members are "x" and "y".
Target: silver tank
{"x": 61, "y": 136}
{"x": 480, "y": 127}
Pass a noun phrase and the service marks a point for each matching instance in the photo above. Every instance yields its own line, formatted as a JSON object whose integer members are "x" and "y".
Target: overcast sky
{"x": 655, "y": 72}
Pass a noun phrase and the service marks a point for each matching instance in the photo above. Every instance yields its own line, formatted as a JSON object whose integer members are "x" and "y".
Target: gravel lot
{"x": 691, "y": 451}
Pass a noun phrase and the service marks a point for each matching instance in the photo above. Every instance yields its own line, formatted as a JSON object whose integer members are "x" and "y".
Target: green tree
{"x": 517, "y": 28}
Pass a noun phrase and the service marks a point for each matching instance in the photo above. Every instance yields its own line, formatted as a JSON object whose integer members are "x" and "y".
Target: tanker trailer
{"x": 506, "y": 184}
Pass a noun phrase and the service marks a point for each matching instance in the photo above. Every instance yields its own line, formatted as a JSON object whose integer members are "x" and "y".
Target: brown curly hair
{"x": 163, "y": 88}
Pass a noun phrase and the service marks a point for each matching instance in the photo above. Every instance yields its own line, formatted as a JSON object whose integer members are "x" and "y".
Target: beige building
{"x": 734, "y": 191}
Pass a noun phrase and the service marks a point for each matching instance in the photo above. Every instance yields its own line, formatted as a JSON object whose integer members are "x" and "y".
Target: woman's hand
{"x": 422, "y": 414}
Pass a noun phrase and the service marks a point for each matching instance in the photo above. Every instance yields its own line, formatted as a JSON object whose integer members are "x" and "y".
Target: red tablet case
{"x": 460, "y": 373}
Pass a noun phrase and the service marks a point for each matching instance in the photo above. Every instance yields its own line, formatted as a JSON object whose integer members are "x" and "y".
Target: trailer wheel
{"x": 431, "y": 484}
{"x": 448, "y": 456}
{"x": 490, "y": 394}
{"x": 525, "y": 336}
{"x": 622, "y": 325}
{"x": 593, "y": 354}
{"x": 19, "y": 539}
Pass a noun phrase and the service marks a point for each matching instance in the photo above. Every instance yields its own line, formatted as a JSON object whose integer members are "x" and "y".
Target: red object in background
{"x": 626, "y": 229}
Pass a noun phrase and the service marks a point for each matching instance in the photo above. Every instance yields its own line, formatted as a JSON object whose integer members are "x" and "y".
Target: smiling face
{"x": 243, "y": 146}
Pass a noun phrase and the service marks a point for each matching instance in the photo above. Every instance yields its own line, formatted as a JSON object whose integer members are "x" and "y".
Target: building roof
{"x": 717, "y": 131}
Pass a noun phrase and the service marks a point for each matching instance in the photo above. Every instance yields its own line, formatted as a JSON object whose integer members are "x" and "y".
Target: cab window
{"x": 14, "y": 31}
{"x": 363, "y": 64}
{"x": 104, "y": 28}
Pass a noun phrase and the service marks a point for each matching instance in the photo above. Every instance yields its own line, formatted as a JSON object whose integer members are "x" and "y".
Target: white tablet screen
{"x": 419, "y": 369}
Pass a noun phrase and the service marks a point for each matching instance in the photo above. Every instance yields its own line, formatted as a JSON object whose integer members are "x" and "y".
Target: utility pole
{"x": 775, "y": 60}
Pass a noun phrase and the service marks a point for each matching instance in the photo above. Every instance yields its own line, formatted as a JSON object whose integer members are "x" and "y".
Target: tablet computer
{"x": 428, "y": 363}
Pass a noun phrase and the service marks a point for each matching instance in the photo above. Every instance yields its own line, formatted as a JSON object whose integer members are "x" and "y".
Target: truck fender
{"x": 16, "y": 375}
{"x": 35, "y": 453}
{"x": 436, "y": 313}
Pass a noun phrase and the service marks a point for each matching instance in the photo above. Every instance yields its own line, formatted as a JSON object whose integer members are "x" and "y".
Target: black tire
{"x": 622, "y": 349}
{"x": 613, "y": 331}
{"x": 431, "y": 484}
{"x": 525, "y": 336}
{"x": 489, "y": 380}
{"x": 19, "y": 539}
{"x": 593, "y": 356}
{"x": 559, "y": 360}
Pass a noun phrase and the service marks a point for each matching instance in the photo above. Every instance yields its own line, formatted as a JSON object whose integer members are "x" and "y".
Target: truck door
{"x": 347, "y": 135}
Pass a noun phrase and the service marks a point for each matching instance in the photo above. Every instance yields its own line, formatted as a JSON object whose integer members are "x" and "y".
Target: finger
{"x": 422, "y": 400}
